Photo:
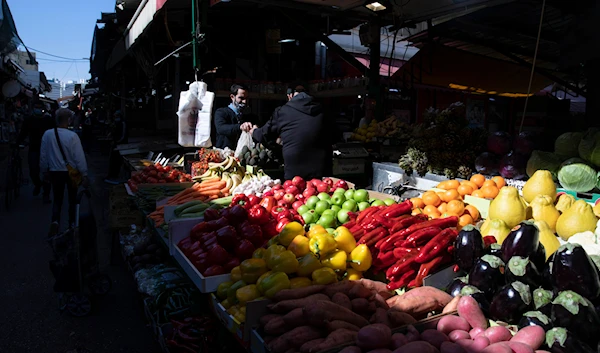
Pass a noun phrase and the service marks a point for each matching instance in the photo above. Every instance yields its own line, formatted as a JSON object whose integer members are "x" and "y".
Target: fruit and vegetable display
{"x": 195, "y": 209}
{"x": 507, "y": 156}
{"x": 206, "y": 159}
{"x": 146, "y": 198}
{"x": 258, "y": 156}
{"x": 388, "y": 128}
{"x": 157, "y": 174}
{"x": 255, "y": 184}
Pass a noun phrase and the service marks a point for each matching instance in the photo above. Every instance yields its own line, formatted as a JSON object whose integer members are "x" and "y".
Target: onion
{"x": 499, "y": 143}
{"x": 512, "y": 166}
{"x": 525, "y": 143}
{"x": 487, "y": 163}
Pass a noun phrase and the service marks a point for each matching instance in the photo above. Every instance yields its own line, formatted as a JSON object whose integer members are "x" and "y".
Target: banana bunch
{"x": 229, "y": 170}
{"x": 249, "y": 176}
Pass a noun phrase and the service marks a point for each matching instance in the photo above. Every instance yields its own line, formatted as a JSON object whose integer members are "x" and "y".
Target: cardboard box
{"x": 381, "y": 196}
{"x": 482, "y": 205}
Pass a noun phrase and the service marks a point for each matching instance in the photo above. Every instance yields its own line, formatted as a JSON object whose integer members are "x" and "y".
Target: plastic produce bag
{"x": 195, "y": 114}
{"x": 245, "y": 140}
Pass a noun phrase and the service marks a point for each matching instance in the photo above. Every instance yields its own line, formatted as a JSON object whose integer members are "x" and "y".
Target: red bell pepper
{"x": 217, "y": 224}
{"x": 281, "y": 224}
{"x": 244, "y": 249}
{"x": 253, "y": 200}
{"x": 231, "y": 264}
{"x": 227, "y": 237}
{"x": 185, "y": 244}
{"x": 214, "y": 270}
{"x": 237, "y": 214}
{"x": 277, "y": 210}
{"x": 241, "y": 200}
{"x": 199, "y": 229}
{"x": 195, "y": 246}
{"x": 218, "y": 255}
{"x": 201, "y": 263}
{"x": 253, "y": 233}
{"x": 210, "y": 214}
{"x": 268, "y": 203}
{"x": 258, "y": 215}
{"x": 269, "y": 229}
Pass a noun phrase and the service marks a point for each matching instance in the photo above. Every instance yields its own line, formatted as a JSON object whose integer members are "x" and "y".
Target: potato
{"x": 541, "y": 351}
{"x": 351, "y": 349}
{"x": 452, "y": 306}
{"x": 297, "y": 293}
{"x": 294, "y": 338}
{"x": 380, "y": 350}
{"x": 519, "y": 347}
{"x": 338, "y": 324}
{"x": 451, "y": 323}
{"x": 450, "y": 347}
{"x": 343, "y": 287}
{"x": 309, "y": 346}
{"x": 417, "y": 347}
{"x": 321, "y": 311}
{"x": 275, "y": 326}
{"x": 360, "y": 305}
{"x": 336, "y": 338}
{"x": 398, "y": 340}
{"x": 435, "y": 337}
{"x": 500, "y": 347}
{"x": 498, "y": 334}
{"x": 380, "y": 317}
{"x": 380, "y": 301}
{"x": 374, "y": 336}
{"x": 294, "y": 318}
{"x": 469, "y": 310}
{"x": 373, "y": 286}
{"x": 359, "y": 291}
{"x": 412, "y": 334}
{"x": 266, "y": 318}
{"x": 398, "y": 318}
{"x": 465, "y": 343}
{"x": 458, "y": 335}
{"x": 342, "y": 299}
{"x": 440, "y": 296}
{"x": 533, "y": 336}
{"x": 476, "y": 332}
{"x": 285, "y": 306}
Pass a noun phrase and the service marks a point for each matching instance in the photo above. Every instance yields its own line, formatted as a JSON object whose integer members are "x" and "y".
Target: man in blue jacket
{"x": 229, "y": 123}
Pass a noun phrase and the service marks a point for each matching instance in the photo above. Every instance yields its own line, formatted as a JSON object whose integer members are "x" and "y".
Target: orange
{"x": 453, "y": 184}
{"x": 472, "y": 211}
{"x": 443, "y": 207}
{"x": 451, "y": 195}
{"x": 471, "y": 184}
{"x": 489, "y": 192}
{"x": 456, "y": 207}
{"x": 443, "y": 185}
{"x": 417, "y": 202}
{"x": 500, "y": 182}
{"x": 441, "y": 195}
{"x": 431, "y": 199}
{"x": 431, "y": 211}
{"x": 465, "y": 190}
{"x": 477, "y": 193}
{"x": 417, "y": 211}
{"x": 478, "y": 179}
{"x": 489, "y": 182}
{"x": 465, "y": 219}
{"x": 448, "y": 214}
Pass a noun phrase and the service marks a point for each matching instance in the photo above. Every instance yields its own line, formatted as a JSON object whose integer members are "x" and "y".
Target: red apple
{"x": 292, "y": 189}
{"x": 289, "y": 198}
{"x": 308, "y": 192}
{"x": 293, "y": 211}
{"x": 278, "y": 194}
{"x": 282, "y": 203}
{"x": 323, "y": 187}
{"x": 287, "y": 184}
{"x": 268, "y": 193}
{"x": 277, "y": 187}
{"x": 328, "y": 181}
{"x": 341, "y": 184}
{"x": 315, "y": 181}
{"x": 299, "y": 182}
{"x": 297, "y": 204}
{"x": 300, "y": 197}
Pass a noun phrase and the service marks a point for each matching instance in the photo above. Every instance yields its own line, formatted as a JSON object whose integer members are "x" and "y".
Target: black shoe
{"x": 37, "y": 190}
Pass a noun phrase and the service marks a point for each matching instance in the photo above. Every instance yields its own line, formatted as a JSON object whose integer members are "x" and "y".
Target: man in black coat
{"x": 228, "y": 120}
{"x": 306, "y": 135}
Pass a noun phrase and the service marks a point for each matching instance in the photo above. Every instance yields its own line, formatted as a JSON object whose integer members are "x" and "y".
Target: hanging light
{"x": 287, "y": 40}
{"x": 376, "y": 6}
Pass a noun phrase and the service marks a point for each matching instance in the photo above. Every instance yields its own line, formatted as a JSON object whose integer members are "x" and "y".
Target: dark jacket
{"x": 227, "y": 128}
{"x": 305, "y": 134}
{"x": 34, "y": 128}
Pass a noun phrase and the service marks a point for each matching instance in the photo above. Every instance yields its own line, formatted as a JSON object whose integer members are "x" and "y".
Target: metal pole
{"x": 194, "y": 36}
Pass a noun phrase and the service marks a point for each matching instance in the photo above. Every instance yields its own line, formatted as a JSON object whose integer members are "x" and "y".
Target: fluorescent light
{"x": 168, "y": 96}
{"x": 376, "y": 6}
{"x": 359, "y": 96}
{"x": 289, "y": 40}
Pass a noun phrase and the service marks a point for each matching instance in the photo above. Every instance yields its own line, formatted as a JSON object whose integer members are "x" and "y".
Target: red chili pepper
{"x": 372, "y": 234}
{"x": 440, "y": 222}
{"x": 359, "y": 233}
{"x": 401, "y": 252}
{"x": 383, "y": 221}
{"x": 456, "y": 268}
{"x": 383, "y": 233}
{"x": 437, "y": 246}
{"x": 370, "y": 223}
{"x": 489, "y": 240}
{"x": 407, "y": 261}
{"x": 362, "y": 215}
{"x": 355, "y": 228}
{"x": 399, "y": 218}
{"x": 349, "y": 224}
{"x": 403, "y": 281}
{"x": 408, "y": 221}
{"x": 421, "y": 236}
{"x": 427, "y": 268}
{"x": 398, "y": 209}
{"x": 384, "y": 260}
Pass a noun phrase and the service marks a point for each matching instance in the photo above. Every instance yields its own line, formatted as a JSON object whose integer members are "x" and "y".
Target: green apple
{"x": 309, "y": 216}
{"x": 338, "y": 199}
{"x": 350, "y": 205}
{"x": 322, "y": 206}
{"x": 324, "y": 196}
{"x": 339, "y": 191}
{"x": 342, "y": 216}
{"x": 330, "y": 230}
{"x": 302, "y": 209}
{"x": 335, "y": 209}
{"x": 361, "y": 195}
{"x": 326, "y": 221}
{"x": 349, "y": 194}
{"x": 389, "y": 201}
{"x": 311, "y": 203}
{"x": 329, "y": 212}
{"x": 378, "y": 203}
{"x": 363, "y": 205}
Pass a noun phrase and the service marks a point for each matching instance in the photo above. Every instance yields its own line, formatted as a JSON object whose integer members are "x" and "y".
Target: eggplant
{"x": 539, "y": 257}
{"x": 487, "y": 274}
{"x": 521, "y": 269}
{"x": 542, "y": 301}
{"x": 468, "y": 247}
{"x": 561, "y": 340}
{"x": 535, "y": 318}
{"x": 511, "y": 302}
{"x": 572, "y": 269}
{"x": 523, "y": 240}
{"x": 456, "y": 286}
{"x": 578, "y": 315}
{"x": 494, "y": 249}
{"x": 479, "y": 297}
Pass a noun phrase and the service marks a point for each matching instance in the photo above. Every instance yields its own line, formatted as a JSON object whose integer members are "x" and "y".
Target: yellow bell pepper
{"x": 307, "y": 264}
{"x": 252, "y": 269}
{"x": 324, "y": 275}
{"x": 222, "y": 289}
{"x": 299, "y": 246}
{"x": 284, "y": 261}
{"x": 263, "y": 276}
{"x": 289, "y": 232}
{"x": 353, "y": 275}
{"x": 361, "y": 258}
{"x": 322, "y": 244}
{"x": 273, "y": 283}
{"x": 336, "y": 260}
{"x": 273, "y": 241}
{"x": 232, "y": 291}
{"x": 344, "y": 239}
{"x": 240, "y": 316}
{"x": 314, "y": 230}
{"x": 271, "y": 252}
{"x": 259, "y": 253}
{"x": 247, "y": 293}
{"x": 226, "y": 304}
{"x": 300, "y": 282}
{"x": 236, "y": 274}
{"x": 233, "y": 309}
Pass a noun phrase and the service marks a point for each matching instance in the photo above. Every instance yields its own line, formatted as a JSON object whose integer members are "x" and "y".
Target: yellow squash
{"x": 508, "y": 207}
{"x": 578, "y": 218}
{"x": 565, "y": 201}
{"x": 547, "y": 238}
{"x": 540, "y": 183}
{"x": 543, "y": 209}
{"x": 496, "y": 228}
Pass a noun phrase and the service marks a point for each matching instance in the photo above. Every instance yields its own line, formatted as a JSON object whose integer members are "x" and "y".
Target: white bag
{"x": 195, "y": 114}
{"x": 245, "y": 140}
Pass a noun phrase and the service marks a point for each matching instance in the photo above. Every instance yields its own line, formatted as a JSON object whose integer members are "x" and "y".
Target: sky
{"x": 59, "y": 27}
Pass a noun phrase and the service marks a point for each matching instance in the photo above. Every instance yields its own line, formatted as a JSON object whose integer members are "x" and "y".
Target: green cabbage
{"x": 543, "y": 160}
{"x": 566, "y": 145}
{"x": 589, "y": 147}
{"x": 577, "y": 176}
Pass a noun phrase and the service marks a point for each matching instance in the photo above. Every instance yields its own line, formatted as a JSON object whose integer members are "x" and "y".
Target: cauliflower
{"x": 588, "y": 240}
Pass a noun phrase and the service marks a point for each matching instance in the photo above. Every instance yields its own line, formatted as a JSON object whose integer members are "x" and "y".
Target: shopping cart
{"x": 75, "y": 263}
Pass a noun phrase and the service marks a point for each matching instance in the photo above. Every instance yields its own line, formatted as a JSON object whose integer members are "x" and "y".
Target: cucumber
{"x": 192, "y": 215}
{"x": 195, "y": 209}
{"x": 186, "y": 205}
{"x": 223, "y": 201}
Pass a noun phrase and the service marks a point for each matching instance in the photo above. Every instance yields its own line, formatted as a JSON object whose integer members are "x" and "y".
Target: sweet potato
{"x": 286, "y": 306}
{"x": 519, "y": 347}
{"x": 412, "y": 334}
{"x": 398, "y": 340}
{"x": 452, "y": 306}
{"x": 450, "y": 323}
{"x": 417, "y": 307}
{"x": 498, "y": 334}
{"x": 294, "y": 318}
{"x": 380, "y": 301}
{"x": 380, "y": 317}
{"x": 266, "y": 318}
{"x": 342, "y": 299}
{"x": 500, "y": 347}
{"x": 338, "y": 324}
{"x": 343, "y": 287}
{"x": 309, "y": 346}
{"x": 298, "y": 293}
{"x": 435, "y": 337}
{"x": 374, "y": 286}
{"x": 351, "y": 349}
{"x": 373, "y": 337}
{"x": 469, "y": 310}
{"x": 320, "y": 311}
{"x": 380, "y": 350}
{"x": 294, "y": 338}
{"x": 458, "y": 335}
{"x": 450, "y": 347}
{"x": 417, "y": 347}
{"x": 275, "y": 326}
{"x": 398, "y": 318}
{"x": 430, "y": 292}
{"x": 476, "y": 332}
{"x": 533, "y": 336}
{"x": 361, "y": 305}
{"x": 337, "y": 338}
{"x": 359, "y": 291}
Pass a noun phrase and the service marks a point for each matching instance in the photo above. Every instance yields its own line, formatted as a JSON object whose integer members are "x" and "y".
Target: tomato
{"x": 152, "y": 173}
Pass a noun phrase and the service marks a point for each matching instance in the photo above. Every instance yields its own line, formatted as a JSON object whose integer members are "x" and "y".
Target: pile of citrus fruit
{"x": 449, "y": 202}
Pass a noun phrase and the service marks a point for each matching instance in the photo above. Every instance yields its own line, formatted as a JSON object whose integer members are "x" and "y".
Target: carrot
{"x": 211, "y": 192}
{"x": 217, "y": 186}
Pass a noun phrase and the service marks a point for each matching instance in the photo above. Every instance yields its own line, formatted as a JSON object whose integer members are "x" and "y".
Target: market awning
{"x": 438, "y": 65}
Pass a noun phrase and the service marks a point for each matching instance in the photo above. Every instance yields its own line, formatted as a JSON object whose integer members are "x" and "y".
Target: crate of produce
{"x": 204, "y": 284}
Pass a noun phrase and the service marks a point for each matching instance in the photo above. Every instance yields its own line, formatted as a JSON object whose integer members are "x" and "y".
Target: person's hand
{"x": 254, "y": 127}
{"x": 246, "y": 126}
{"x": 85, "y": 182}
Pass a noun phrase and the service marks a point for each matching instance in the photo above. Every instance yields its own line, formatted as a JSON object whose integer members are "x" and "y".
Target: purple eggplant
{"x": 479, "y": 297}
{"x": 494, "y": 249}
{"x": 535, "y": 318}
{"x": 511, "y": 302}
{"x": 468, "y": 248}
{"x": 560, "y": 340}
{"x": 542, "y": 301}
{"x": 456, "y": 286}
{"x": 539, "y": 257}
{"x": 521, "y": 269}
{"x": 572, "y": 269}
{"x": 578, "y": 315}
{"x": 523, "y": 240}
{"x": 487, "y": 274}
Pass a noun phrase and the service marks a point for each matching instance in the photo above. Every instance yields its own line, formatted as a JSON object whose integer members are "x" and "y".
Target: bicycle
{"x": 14, "y": 176}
